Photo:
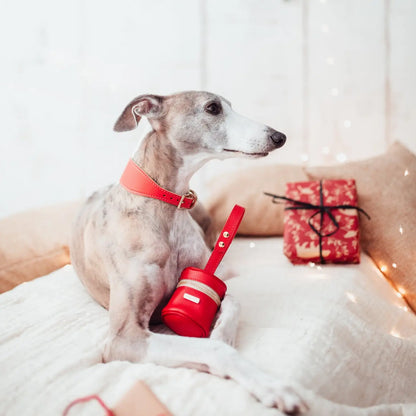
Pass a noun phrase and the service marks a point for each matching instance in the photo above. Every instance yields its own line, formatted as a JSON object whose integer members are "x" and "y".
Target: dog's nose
{"x": 279, "y": 139}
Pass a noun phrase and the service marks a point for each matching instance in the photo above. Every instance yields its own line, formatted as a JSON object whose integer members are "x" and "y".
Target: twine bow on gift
{"x": 321, "y": 209}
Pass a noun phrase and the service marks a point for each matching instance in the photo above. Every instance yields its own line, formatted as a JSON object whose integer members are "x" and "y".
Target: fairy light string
{"x": 335, "y": 92}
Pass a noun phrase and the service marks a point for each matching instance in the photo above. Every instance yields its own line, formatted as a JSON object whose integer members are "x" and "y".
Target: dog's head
{"x": 201, "y": 122}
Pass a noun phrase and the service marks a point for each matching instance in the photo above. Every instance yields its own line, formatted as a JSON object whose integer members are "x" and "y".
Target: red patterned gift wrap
{"x": 321, "y": 222}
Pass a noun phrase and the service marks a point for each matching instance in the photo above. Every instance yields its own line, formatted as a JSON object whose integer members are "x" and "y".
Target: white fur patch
{"x": 244, "y": 135}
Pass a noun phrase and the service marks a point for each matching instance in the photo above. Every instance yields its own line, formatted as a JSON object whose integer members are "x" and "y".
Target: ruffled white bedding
{"x": 341, "y": 332}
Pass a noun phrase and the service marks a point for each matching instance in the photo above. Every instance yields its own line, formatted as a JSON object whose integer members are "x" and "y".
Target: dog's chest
{"x": 187, "y": 246}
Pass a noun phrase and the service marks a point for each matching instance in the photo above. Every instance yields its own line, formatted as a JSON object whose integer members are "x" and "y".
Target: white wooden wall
{"x": 337, "y": 76}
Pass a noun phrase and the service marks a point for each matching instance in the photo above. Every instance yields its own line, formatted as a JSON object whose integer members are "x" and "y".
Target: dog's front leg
{"x": 224, "y": 361}
{"x": 226, "y": 321}
{"x": 132, "y": 302}
{"x": 134, "y": 296}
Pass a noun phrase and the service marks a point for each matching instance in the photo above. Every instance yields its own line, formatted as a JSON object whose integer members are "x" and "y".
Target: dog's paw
{"x": 221, "y": 333}
{"x": 106, "y": 353}
{"x": 280, "y": 396}
{"x": 226, "y": 323}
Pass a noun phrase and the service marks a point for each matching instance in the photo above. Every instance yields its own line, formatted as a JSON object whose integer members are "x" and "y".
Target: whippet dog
{"x": 129, "y": 250}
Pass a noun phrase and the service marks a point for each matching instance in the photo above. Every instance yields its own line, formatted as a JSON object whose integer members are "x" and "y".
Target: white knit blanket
{"x": 341, "y": 332}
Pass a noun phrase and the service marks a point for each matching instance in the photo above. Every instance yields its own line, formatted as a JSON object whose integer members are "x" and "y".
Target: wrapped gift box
{"x": 315, "y": 231}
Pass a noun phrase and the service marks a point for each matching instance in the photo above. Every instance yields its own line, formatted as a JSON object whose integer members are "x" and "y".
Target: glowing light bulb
{"x": 347, "y": 124}
{"x": 341, "y": 157}
{"x": 406, "y": 172}
{"x": 395, "y": 334}
{"x": 334, "y": 92}
{"x": 351, "y": 297}
{"x": 401, "y": 290}
{"x": 394, "y": 265}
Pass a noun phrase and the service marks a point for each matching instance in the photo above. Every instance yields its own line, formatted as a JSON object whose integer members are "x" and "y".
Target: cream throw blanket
{"x": 341, "y": 332}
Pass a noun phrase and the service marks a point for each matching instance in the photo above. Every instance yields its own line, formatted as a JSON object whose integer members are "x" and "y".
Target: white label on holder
{"x": 191, "y": 298}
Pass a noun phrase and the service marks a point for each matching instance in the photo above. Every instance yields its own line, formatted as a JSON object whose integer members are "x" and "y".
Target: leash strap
{"x": 225, "y": 239}
{"x": 136, "y": 181}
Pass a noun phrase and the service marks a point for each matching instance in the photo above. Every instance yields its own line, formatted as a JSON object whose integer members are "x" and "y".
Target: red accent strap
{"x": 108, "y": 411}
{"x": 225, "y": 239}
{"x": 136, "y": 181}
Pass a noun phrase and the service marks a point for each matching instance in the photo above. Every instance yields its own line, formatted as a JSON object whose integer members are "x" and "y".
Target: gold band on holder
{"x": 201, "y": 287}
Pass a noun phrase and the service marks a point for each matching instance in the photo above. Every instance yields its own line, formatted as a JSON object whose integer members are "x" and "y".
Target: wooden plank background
{"x": 337, "y": 76}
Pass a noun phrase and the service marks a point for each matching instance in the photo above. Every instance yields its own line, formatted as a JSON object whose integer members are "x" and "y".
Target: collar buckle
{"x": 190, "y": 194}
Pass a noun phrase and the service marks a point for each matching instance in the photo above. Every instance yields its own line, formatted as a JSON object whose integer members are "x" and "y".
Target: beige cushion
{"x": 34, "y": 243}
{"x": 245, "y": 188}
{"x": 386, "y": 188}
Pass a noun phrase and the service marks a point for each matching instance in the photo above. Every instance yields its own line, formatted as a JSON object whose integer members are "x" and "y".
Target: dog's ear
{"x": 149, "y": 106}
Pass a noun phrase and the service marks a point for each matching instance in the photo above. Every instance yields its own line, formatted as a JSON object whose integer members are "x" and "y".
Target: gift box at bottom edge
{"x": 331, "y": 241}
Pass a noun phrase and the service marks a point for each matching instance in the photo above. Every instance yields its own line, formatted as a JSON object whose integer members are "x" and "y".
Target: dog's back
{"x": 84, "y": 247}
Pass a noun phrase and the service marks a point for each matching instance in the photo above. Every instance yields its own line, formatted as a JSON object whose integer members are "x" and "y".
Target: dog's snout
{"x": 279, "y": 139}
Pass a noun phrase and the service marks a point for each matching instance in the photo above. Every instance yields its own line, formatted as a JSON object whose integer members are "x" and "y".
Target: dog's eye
{"x": 213, "y": 108}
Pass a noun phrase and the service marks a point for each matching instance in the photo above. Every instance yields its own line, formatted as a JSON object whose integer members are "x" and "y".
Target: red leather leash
{"x": 225, "y": 239}
{"x": 135, "y": 180}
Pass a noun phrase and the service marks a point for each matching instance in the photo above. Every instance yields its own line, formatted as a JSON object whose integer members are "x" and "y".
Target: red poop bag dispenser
{"x": 198, "y": 295}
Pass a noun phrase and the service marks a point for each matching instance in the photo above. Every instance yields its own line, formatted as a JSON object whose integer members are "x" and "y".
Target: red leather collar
{"x": 136, "y": 181}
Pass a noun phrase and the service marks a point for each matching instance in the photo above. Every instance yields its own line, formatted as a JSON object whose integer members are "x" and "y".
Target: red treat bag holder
{"x": 198, "y": 295}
